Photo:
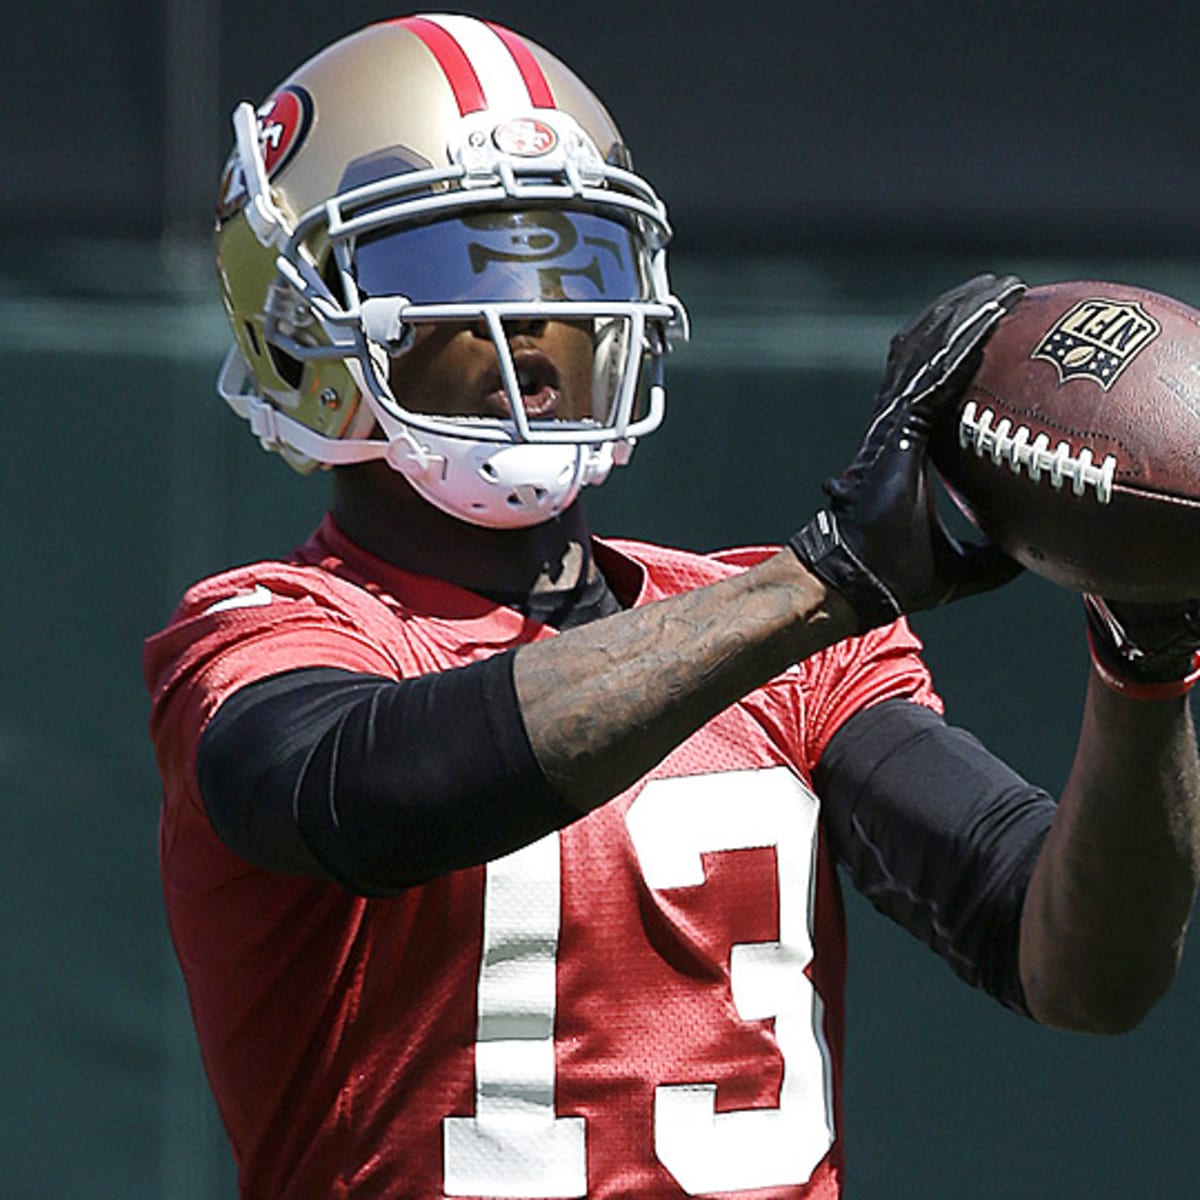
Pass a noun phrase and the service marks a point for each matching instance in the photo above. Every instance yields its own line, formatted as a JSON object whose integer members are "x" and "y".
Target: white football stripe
{"x": 503, "y": 87}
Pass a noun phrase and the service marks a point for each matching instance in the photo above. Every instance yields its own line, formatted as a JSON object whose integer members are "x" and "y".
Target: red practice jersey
{"x": 648, "y": 1003}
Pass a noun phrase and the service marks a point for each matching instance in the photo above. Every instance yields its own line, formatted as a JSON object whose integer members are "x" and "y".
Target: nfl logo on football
{"x": 1097, "y": 340}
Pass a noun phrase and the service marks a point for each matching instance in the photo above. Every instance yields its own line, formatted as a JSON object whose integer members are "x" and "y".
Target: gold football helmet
{"x": 439, "y": 168}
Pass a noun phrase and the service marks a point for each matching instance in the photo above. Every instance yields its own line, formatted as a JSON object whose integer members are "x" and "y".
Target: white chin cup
{"x": 499, "y": 485}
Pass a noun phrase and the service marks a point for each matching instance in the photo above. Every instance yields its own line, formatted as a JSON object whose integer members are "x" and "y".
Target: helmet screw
{"x": 329, "y": 398}
{"x": 477, "y": 138}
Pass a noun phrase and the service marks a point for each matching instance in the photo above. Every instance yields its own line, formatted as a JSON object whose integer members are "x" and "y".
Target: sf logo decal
{"x": 283, "y": 124}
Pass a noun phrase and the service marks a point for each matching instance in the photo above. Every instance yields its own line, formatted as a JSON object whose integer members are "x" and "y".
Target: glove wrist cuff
{"x": 1169, "y": 689}
{"x": 1133, "y": 670}
{"x": 819, "y": 546}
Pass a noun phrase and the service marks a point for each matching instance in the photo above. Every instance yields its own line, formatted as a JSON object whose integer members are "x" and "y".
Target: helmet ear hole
{"x": 289, "y": 369}
{"x": 332, "y": 278}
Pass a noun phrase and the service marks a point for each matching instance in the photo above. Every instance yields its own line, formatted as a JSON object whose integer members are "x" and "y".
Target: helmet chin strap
{"x": 495, "y": 485}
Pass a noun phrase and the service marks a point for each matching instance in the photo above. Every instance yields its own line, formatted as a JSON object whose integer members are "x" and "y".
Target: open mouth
{"x": 538, "y": 379}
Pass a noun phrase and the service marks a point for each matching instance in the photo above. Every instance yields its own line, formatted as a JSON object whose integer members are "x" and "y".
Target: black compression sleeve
{"x": 938, "y": 834}
{"x": 374, "y": 783}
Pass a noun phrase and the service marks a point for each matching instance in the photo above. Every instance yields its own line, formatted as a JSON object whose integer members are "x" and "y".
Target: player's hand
{"x": 1146, "y": 651}
{"x": 880, "y": 541}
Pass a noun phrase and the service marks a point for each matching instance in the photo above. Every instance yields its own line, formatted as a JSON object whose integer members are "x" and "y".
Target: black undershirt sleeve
{"x": 379, "y": 785}
{"x": 373, "y": 783}
{"x": 938, "y": 834}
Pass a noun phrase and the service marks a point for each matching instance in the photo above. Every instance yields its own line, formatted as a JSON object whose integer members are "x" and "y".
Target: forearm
{"x": 1110, "y": 898}
{"x": 378, "y": 783}
{"x": 605, "y": 703}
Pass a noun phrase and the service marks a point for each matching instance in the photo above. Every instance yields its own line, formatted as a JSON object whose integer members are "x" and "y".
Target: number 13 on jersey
{"x": 516, "y": 1145}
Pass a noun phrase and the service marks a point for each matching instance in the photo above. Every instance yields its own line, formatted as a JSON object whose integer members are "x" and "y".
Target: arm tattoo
{"x": 603, "y": 704}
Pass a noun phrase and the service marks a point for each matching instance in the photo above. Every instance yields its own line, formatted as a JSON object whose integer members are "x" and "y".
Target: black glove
{"x": 1147, "y": 651}
{"x": 880, "y": 541}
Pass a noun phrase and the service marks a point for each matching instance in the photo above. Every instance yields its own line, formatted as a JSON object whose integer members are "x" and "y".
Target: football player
{"x": 501, "y": 860}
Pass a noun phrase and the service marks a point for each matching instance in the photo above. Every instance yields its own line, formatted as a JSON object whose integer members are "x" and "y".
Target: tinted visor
{"x": 541, "y": 254}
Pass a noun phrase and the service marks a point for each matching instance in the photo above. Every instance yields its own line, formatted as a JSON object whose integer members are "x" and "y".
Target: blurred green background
{"x": 830, "y": 172}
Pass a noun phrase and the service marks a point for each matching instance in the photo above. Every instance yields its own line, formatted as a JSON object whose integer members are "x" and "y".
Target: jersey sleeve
{"x": 237, "y": 628}
{"x": 847, "y": 678}
{"x": 859, "y": 673}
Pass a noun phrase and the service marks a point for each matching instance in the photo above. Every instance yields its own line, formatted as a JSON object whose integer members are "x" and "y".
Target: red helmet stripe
{"x": 531, "y": 71}
{"x": 456, "y": 66}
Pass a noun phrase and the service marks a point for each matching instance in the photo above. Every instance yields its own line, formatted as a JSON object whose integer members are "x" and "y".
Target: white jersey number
{"x": 515, "y": 1145}
{"x": 672, "y": 823}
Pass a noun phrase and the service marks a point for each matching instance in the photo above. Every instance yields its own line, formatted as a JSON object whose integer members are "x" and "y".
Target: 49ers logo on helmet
{"x": 525, "y": 137}
{"x": 283, "y": 124}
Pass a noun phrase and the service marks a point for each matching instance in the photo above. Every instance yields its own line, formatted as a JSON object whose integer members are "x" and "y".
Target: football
{"x": 1076, "y": 444}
